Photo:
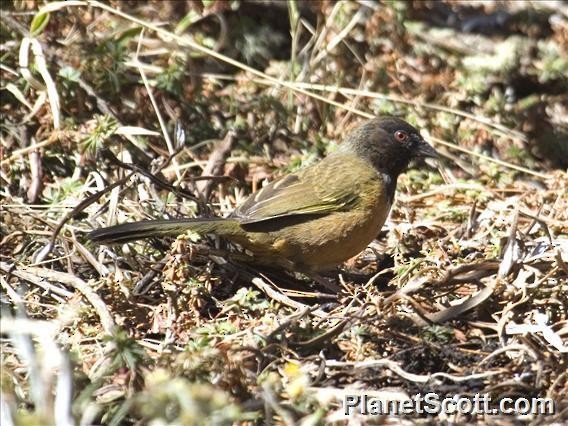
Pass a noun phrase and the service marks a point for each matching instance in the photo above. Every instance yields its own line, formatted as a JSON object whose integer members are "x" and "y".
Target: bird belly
{"x": 337, "y": 238}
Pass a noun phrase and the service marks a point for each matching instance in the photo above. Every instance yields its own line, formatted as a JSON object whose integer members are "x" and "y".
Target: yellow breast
{"x": 324, "y": 242}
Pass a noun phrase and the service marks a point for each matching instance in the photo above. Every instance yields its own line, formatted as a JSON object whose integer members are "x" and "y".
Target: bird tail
{"x": 161, "y": 228}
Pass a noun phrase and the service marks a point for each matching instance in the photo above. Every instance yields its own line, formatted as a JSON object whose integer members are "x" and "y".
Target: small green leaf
{"x": 70, "y": 74}
{"x": 39, "y": 23}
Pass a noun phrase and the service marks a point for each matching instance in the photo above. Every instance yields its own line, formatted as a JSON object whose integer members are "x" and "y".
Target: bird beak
{"x": 425, "y": 150}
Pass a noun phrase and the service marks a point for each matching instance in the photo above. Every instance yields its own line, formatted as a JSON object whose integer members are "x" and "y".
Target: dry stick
{"x": 505, "y": 349}
{"x": 461, "y": 274}
{"x": 558, "y": 382}
{"x": 12, "y": 294}
{"x": 339, "y": 37}
{"x": 85, "y": 289}
{"x": 317, "y": 341}
{"x": 490, "y": 159}
{"x": 36, "y": 170}
{"x": 165, "y": 133}
{"x": 32, "y": 274}
{"x": 418, "y": 378}
{"x": 30, "y": 43}
{"x": 510, "y": 255}
{"x": 216, "y": 162}
{"x": 146, "y": 282}
{"x": 442, "y": 189}
{"x": 54, "y": 137}
{"x": 27, "y": 276}
{"x": 288, "y": 322}
{"x": 456, "y": 310}
{"x": 326, "y": 27}
{"x": 89, "y": 257}
{"x": 542, "y": 221}
{"x": 282, "y": 298}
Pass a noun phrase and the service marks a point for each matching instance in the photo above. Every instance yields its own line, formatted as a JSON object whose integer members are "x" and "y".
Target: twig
{"x": 30, "y": 277}
{"x": 418, "y": 378}
{"x": 146, "y": 282}
{"x": 514, "y": 347}
{"x": 281, "y": 298}
{"x": 214, "y": 166}
{"x": 32, "y": 274}
{"x": 165, "y": 133}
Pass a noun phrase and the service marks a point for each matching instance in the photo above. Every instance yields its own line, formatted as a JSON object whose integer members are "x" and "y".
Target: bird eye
{"x": 401, "y": 136}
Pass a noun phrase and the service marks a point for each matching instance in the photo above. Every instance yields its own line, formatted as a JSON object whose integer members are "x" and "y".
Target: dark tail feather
{"x": 160, "y": 228}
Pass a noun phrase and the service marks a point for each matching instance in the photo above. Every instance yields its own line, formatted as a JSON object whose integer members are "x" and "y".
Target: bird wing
{"x": 328, "y": 186}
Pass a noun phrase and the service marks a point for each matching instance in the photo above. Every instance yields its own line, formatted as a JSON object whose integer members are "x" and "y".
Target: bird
{"x": 314, "y": 219}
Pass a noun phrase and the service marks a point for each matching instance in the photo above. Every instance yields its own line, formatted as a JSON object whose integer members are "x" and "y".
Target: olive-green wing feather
{"x": 316, "y": 190}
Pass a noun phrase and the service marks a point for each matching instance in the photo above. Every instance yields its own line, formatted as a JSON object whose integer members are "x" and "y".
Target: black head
{"x": 389, "y": 143}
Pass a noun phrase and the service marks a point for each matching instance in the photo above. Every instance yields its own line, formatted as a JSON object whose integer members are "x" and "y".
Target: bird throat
{"x": 390, "y": 186}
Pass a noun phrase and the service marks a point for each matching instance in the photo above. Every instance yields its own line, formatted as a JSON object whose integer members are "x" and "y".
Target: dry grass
{"x": 123, "y": 111}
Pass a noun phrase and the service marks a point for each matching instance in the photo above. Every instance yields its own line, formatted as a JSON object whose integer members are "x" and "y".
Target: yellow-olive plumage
{"x": 317, "y": 217}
